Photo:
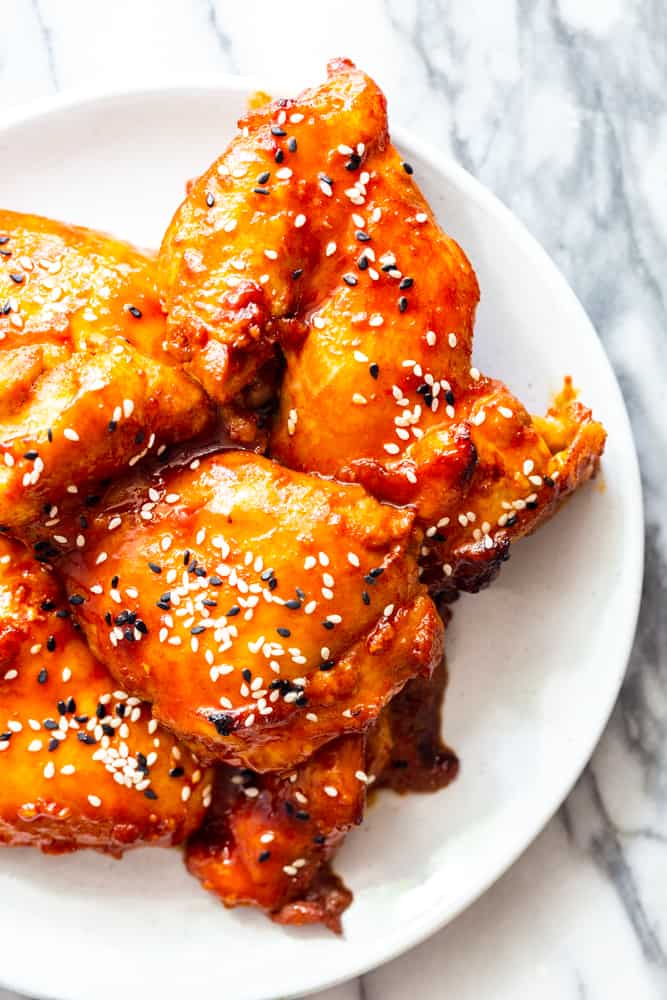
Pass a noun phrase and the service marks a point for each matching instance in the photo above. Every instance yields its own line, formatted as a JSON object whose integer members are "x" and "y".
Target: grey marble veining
{"x": 560, "y": 107}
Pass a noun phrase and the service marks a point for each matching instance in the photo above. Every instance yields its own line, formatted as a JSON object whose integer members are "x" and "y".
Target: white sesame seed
{"x": 95, "y": 801}
{"x": 331, "y": 249}
{"x": 505, "y": 411}
{"x": 421, "y": 217}
{"x": 431, "y": 338}
{"x": 70, "y": 434}
{"x": 330, "y": 791}
{"x": 300, "y": 220}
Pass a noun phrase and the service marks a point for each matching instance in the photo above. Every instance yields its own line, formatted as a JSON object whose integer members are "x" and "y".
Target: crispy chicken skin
{"x": 310, "y": 233}
{"x": 85, "y": 386}
{"x": 268, "y": 840}
{"x": 81, "y": 764}
{"x": 263, "y": 612}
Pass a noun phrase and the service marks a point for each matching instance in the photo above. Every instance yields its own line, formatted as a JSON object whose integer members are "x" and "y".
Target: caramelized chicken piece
{"x": 268, "y": 839}
{"x": 86, "y": 388}
{"x": 310, "y": 233}
{"x": 263, "y": 612}
{"x": 81, "y": 763}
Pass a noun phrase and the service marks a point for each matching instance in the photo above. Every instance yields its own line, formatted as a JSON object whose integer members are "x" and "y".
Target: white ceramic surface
{"x": 536, "y": 661}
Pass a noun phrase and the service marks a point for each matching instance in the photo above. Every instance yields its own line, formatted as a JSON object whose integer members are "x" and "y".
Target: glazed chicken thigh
{"x": 86, "y": 388}
{"x": 309, "y": 233}
{"x": 81, "y": 763}
{"x": 263, "y": 612}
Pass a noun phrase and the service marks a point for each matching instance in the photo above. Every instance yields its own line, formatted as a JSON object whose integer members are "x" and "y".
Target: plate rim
{"x": 435, "y": 917}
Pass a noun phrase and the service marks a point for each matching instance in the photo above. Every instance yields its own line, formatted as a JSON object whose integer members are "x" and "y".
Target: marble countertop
{"x": 560, "y": 107}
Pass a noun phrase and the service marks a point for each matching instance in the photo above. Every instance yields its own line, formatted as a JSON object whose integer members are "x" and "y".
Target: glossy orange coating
{"x": 86, "y": 388}
{"x": 334, "y": 255}
{"x": 81, "y": 764}
{"x": 278, "y": 610}
{"x": 267, "y": 838}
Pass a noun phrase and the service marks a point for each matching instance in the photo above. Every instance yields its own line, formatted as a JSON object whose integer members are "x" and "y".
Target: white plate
{"x": 536, "y": 661}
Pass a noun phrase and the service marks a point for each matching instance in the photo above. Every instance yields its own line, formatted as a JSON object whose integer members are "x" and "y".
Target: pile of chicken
{"x": 227, "y": 645}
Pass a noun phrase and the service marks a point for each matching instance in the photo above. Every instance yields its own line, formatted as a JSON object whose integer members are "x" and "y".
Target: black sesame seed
{"x": 49, "y": 434}
{"x": 208, "y": 603}
{"x": 277, "y": 130}
{"x": 354, "y": 162}
{"x": 139, "y": 437}
{"x": 51, "y": 643}
{"x": 3, "y": 240}
{"x": 406, "y": 283}
{"x": 101, "y": 711}
{"x": 149, "y": 793}
{"x": 50, "y": 724}
{"x": 17, "y": 278}
{"x": 71, "y": 705}
{"x": 289, "y": 809}
{"x": 362, "y": 236}
{"x": 284, "y": 632}
{"x": 328, "y": 625}
{"x": 273, "y": 583}
{"x": 53, "y": 745}
{"x": 210, "y": 200}
{"x": 548, "y": 481}
{"x": 43, "y": 676}
{"x": 263, "y": 178}
{"x": 409, "y": 169}
{"x": 374, "y": 370}
{"x": 223, "y": 722}
{"x": 141, "y": 626}
{"x": 260, "y": 190}
{"x": 402, "y": 304}
{"x": 47, "y": 605}
{"x": 302, "y": 815}
{"x": 111, "y": 426}
{"x": 264, "y": 856}
{"x": 301, "y": 594}
{"x": 297, "y": 273}
{"x": 349, "y": 279}
{"x": 449, "y": 397}
{"x": 115, "y": 580}
{"x": 362, "y": 262}
{"x": 199, "y": 571}
{"x": 293, "y": 604}
{"x": 63, "y": 614}
{"x": 31, "y": 455}
{"x": 86, "y": 738}
{"x": 327, "y": 665}
{"x": 137, "y": 313}
{"x": 215, "y": 581}
{"x": 279, "y": 156}
{"x": 177, "y": 772}
{"x": 291, "y": 144}
{"x": 197, "y": 629}
{"x": 366, "y": 597}
{"x": 531, "y": 504}
{"x": 327, "y": 180}
{"x": 234, "y": 610}
{"x": 128, "y": 634}
{"x": 76, "y": 599}
{"x": 154, "y": 567}
{"x": 266, "y": 575}
{"x": 378, "y": 571}
{"x": 81, "y": 719}
{"x": 319, "y": 838}
{"x": 107, "y": 729}
{"x": 246, "y": 675}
